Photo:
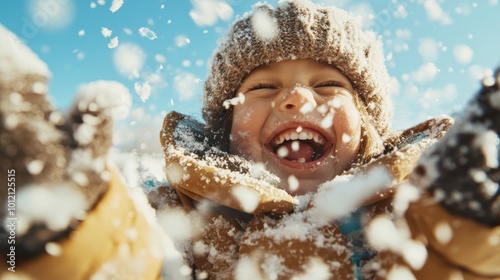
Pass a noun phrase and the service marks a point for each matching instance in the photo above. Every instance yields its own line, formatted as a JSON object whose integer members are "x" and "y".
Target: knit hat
{"x": 298, "y": 30}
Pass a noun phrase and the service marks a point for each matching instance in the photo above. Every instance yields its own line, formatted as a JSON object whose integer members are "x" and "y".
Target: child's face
{"x": 298, "y": 118}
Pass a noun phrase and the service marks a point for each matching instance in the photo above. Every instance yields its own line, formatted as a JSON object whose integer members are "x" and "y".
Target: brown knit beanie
{"x": 298, "y": 30}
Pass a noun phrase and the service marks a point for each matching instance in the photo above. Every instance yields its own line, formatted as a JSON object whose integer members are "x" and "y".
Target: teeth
{"x": 291, "y": 136}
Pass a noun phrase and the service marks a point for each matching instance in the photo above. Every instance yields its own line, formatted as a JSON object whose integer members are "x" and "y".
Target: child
{"x": 300, "y": 91}
{"x": 296, "y": 138}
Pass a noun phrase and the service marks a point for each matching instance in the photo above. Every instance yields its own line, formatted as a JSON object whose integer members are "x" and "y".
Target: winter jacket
{"x": 277, "y": 237}
{"x": 117, "y": 240}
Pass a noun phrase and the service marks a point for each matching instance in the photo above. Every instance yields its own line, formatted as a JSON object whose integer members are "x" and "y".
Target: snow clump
{"x": 264, "y": 26}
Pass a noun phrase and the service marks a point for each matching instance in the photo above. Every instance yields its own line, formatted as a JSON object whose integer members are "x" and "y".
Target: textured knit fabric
{"x": 298, "y": 30}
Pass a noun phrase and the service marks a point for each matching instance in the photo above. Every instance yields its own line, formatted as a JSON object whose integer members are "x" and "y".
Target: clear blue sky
{"x": 435, "y": 49}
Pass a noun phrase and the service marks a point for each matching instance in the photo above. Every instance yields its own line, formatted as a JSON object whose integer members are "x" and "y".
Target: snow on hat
{"x": 298, "y": 30}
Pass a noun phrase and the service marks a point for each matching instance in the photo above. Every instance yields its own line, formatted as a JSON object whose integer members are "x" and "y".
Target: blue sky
{"x": 436, "y": 50}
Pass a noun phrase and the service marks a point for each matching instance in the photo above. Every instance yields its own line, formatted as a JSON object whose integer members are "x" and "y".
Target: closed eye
{"x": 332, "y": 84}
{"x": 262, "y": 86}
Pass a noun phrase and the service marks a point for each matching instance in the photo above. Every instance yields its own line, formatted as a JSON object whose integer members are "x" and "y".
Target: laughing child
{"x": 301, "y": 93}
{"x": 295, "y": 174}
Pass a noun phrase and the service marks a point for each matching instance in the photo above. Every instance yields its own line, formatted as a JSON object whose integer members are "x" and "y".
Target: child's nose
{"x": 298, "y": 100}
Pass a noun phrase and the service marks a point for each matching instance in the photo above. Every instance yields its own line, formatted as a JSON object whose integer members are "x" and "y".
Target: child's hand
{"x": 55, "y": 164}
{"x": 462, "y": 170}
{"x": 199, "y": 171}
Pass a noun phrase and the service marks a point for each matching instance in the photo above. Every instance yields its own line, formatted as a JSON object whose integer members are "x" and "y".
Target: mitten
{"x": 55, "y": 163}
{"x": 198, "y": 170}
{"x": 461, "y": 171}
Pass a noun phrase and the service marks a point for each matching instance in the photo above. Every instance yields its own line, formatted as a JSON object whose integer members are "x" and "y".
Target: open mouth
{"x": 304, "y": 146}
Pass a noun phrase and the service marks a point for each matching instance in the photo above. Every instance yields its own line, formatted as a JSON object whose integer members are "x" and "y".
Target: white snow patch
{"x": 247, "y": 269}
{"x": 383, "y": 234}
{"x": 129, "y": 59}
{"x": 51, "y": 15}
{"x": 429, "y": 49}
{"x": 127, "y": 31}
{"x": 264, "y": 26}
{"x": 186, "y": 85}
{"x": 111, "y": 97}
{"x": 175, "y": 173}
{"x": 116, "y": 5}
{"x": 113, "y": 43}
{"x": 425, "y": 73}
{"x": 35, "y": 166}
{"x": 463, "y": 54}
{"x": 315, "y": 269}
{"x": 346, "y": 138}
{"x": 436, "y": 13}
{"x": 208, "y": 12}
{"x": 106, "y": 32}
{"x": 160, "y": 58}
{"x": 293, "y": 183}
{"x": 327, "y": 121}
{"x": 53, "y": 249}
{"x": 443, "y": 233}
{"x": 143, "y": 90}
{"x": 182, "y": 41}
{"x": 339, "y": 197}
{"x": 17, "y": 59}
{"x": 148, "y": 33}
{"x": 176, "y": 224}
{"x": 406, "y": 194}
{"x": 488, "y": 143}
{"x": 399, "y": 272}
{"x": 282, "y": 152}
{"x": 54, "y": 205}
{"x": 239, "y": 99}
{"x": 248, "y": 198}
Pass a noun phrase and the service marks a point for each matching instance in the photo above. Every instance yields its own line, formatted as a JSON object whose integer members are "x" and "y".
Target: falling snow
{"x": 146, "y": 32}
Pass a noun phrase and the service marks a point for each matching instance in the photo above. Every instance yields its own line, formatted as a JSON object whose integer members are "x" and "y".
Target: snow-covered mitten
{"x": 462, "y": 170}
{"x": 55, "y": 165}
{"x": 199, "y": 171}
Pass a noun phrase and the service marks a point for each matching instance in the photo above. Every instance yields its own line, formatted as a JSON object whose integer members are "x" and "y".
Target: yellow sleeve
{"x": 115, "y": 241}
{"x": 456, "y": 245}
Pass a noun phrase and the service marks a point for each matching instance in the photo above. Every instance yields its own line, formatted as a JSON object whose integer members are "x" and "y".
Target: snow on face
{"x": 264, "y": 26}
{"x": 240, "y": 99}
